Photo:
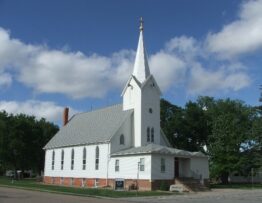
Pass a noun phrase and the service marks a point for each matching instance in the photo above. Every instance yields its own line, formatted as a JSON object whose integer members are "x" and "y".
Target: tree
{"x": 231, "y": 131}
{"x": 230, "y": 138}
{"x": 22, "y": 138}
{"x": 171, "y": 117}
{"x": 185, "y": 128}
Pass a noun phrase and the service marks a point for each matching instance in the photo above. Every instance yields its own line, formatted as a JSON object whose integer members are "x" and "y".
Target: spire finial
{"x": 141, "y": 28}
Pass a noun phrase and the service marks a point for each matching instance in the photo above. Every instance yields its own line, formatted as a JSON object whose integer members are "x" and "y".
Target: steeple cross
{"x": 141, "y": 28}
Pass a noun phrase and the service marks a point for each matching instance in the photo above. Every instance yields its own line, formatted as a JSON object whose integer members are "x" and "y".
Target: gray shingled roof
{"x": 158, "y": 149}
{"x": 91, "y": 127}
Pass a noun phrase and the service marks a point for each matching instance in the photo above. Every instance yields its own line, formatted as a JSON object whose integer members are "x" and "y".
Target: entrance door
{"x": 176, "y": 167}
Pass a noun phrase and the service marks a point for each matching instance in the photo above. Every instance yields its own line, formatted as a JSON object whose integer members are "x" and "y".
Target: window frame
{"x": 72, "y": 159}
{"x": 62, "y": 159}
{"x": 53, "y": 160}
{"x": 163, "y": 165}
{"x": 122, "y": 139}
{"x": 148, "y": 134}
{"x": 117, "y": 167}
{"x": 84, "y": 159}
{"x": 142, "y": 164}
{"x": 152, "y": 134}
{"x": 97, "y": 158}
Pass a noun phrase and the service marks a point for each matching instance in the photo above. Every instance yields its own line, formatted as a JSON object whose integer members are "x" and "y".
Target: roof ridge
{"x": 100, "y": 109}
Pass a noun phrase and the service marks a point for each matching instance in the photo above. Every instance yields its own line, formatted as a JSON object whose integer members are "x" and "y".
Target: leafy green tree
{"x": 231, "y": 137}
{"x": 22, "y": 138}
{"x": 171, "y": 117}
{"x": 229, "y": 129}
{"x": 185, "y": 128}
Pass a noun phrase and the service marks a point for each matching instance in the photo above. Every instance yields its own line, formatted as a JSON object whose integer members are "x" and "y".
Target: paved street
{"x": 10, "y": 195}
{"x": 214, "y": 196}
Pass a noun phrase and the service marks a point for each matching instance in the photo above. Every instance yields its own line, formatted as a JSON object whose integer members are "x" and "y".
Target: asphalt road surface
{"x": 11, "y": 195}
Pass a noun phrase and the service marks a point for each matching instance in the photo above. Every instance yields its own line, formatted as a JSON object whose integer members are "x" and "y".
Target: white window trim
{"x": 53, "y": 160}
{"x": 97, "y": 154}
{"x": 117, "y": 167}
{"x": 140, "y": 161}
{"x": 62, "y": 159}
{"x": 72, "y": 159}
{"x": 163, "y": 165}
{"x": 84, "y": 159}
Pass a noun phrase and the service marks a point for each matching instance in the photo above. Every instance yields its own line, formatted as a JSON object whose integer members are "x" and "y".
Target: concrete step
{"x": 191, "y": 184}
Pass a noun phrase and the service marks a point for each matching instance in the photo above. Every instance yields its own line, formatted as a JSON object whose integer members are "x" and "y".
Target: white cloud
{"x": 210, "y": 82}
{"x": 196, "y": 72}
{"x": 184, "y": 46}
{"x": 40, "y": 109}
{"x": 57, "y": 71}
{"x": 168, "y": 69}
{"x": 243, "y": 35}
{"x": 5, "y": 79}
{"x": 77, "y": 75}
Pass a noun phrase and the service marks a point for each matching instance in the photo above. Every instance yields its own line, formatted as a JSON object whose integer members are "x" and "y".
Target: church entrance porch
{"x": 181, "y": 167}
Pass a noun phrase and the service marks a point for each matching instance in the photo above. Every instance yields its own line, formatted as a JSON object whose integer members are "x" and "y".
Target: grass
{"x": 31, "y": 184}
{"x": 236, "y": 186}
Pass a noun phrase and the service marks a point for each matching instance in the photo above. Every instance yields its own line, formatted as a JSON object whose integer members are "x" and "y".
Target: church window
{"x": 122, "y": 139}
{"x": 117, "y": 165}
{"x": 152, "y": 135}
{"x": 150, "y": 110}
{"x": 97, "y": 158}
{"x": 84, "y": 158}
{"x": 142, "y": 164}
{"x": 72, "y": 159}
{"x": 148, "y": 134}
{"x": 62, "y": 159}
{"x": 163, "y": 165}
{"x": 53, "y": 160}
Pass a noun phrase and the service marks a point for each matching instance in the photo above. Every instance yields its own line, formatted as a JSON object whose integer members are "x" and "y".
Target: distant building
{"x": 121, "y": 145}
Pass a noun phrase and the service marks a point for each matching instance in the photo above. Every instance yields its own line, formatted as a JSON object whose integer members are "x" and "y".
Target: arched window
{"x": 72, "y": 159}
{"x": 148, "y": 134}
{"x": 53, "y": 160}
{"x": 62, "y": 159}
{"x": 84, "y": 158}
{"x": 152, "y": 135}
{"x": 122, "y": 139}
{"x": 97, "y": 158}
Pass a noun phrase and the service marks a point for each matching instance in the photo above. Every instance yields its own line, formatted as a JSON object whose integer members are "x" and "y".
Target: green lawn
{"x": 33, "y": 185}
{"x": 237, "y": 186}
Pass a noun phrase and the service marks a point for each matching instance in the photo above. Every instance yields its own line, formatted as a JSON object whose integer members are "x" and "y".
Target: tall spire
{"x": 141, "y": 69}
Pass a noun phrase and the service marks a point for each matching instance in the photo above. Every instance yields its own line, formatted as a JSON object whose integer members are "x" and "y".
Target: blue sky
{"x": 80, "y": 53}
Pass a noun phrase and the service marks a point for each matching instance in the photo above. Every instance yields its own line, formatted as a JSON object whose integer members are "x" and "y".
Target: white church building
{"x": 121, "y": 145}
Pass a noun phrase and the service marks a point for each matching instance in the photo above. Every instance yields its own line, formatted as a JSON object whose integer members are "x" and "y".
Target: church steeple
{"x": 142, "y": 95}
{"x": 141, "y": 69}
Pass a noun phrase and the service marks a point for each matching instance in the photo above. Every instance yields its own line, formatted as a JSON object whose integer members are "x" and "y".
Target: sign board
{"x": 119, "y": 184}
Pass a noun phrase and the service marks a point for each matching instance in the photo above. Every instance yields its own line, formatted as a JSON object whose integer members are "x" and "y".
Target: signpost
{"x": 119, "y": 184}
